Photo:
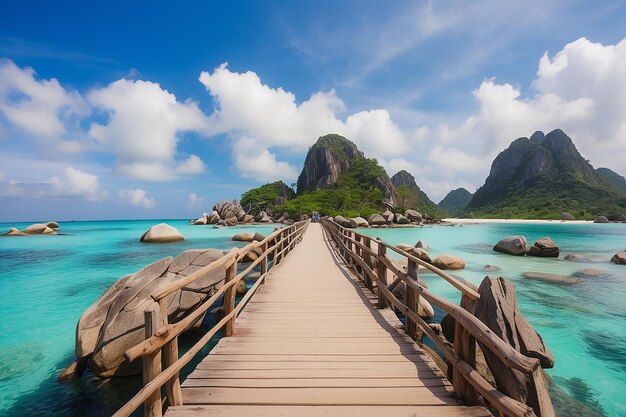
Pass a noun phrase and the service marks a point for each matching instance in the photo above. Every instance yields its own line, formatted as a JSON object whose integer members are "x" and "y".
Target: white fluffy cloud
{"x": 137, "y": 197}
{"x": 192, "y": 165}
{"x": 144, "y": 126}
{"x": 195, "y": 201}
{"x": 73, "y": 183}
{"x": 41, "y": 108}
{"x": 581, "y": 89}
{"x": 262, "y": 117}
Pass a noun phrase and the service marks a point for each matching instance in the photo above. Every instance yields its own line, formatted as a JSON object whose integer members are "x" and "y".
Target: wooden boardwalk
{"x": 310, "y": 343}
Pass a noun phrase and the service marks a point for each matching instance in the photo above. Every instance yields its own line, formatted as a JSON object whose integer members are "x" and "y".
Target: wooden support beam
{"x": 152, "y": 364}
{"x": 229, "y": 300}
{"x": 381, "y": 273}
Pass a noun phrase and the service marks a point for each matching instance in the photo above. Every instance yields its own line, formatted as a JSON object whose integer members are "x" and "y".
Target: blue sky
{"x": 159, "y": 109}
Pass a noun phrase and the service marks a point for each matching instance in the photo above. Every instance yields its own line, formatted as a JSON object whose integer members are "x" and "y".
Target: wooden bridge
{"x": 318, "y": 340}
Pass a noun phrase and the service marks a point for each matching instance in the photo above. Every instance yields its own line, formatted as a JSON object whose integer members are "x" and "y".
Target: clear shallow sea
{"x": 46, "y": 282}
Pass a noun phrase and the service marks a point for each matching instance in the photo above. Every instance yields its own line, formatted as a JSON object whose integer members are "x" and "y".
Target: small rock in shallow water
{"x": 619, "y": 258}
{"x": 579, "y": 257}
{"x": 491, "y": 268}
{"x": 591, "y": 273}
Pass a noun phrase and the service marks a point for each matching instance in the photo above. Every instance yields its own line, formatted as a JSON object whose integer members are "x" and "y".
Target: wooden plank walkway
{"x": 312, "y": 343}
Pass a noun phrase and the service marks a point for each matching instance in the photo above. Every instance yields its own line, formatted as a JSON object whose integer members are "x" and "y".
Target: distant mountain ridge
{"x": 542, "y": 176}
{"x": 455, "y": 201}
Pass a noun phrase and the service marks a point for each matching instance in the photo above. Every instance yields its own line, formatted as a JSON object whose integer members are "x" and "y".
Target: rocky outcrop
{"x": 512, "y": 245}
{"x": 498, "y": 309}
{"x": 567, "y": 217}
{"x": 200, "y": 221}
{"x": 114, "y": 323}
{"x": 544, "y": 247}
{"x": 601, "y": 219}
{"x": 325, "y": 161}
{"x": 388, "y": 216}
{"x": 14, "y": 232}
{"x": 161, "y": 233}
{"x": 619, "y": 258}
{"x": 448, "y": 262}
{"x": 213, "y": 218}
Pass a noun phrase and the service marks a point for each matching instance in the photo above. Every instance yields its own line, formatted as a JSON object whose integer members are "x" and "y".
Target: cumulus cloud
{"x": 73, "y": 183}
{"x": 137, "y": 197}
{"x": 580, "y": 89}
{"x": 145, "y": 124}
{"x": 262, "y": 117}
{"x": 191, "y": 165}
{"x": 254, "y": 160}
{"x": 195, "y": 201}
{"x": 41, "y": 108}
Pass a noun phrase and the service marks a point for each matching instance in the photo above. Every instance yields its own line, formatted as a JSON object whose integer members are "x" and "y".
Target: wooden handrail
{"x": 164, "y": 336}
{"x": 468, "y": 326}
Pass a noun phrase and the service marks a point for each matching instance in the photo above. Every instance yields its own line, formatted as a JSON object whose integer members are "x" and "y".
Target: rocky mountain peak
{"x": 325, "y": 161}
{"x": 404, "y": 178}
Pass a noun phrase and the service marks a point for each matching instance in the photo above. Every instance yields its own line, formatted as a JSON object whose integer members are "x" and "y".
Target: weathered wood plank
{"x": 314, "y": 383}
{"x": 320, "y": 396}
{"x": 325, "y": 411}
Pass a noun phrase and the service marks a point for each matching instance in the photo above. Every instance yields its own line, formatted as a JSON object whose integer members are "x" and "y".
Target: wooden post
{"x": 411, "y": 298}
{"x": 368, "y": 261}
{"x": 264, "y": 260}
{"x": 465, "y": 347}
{"x": 357, "y": 251}
{"x": 170, "y": 350}
{"x": 152, "y": 364}
{"x": 229, "y": 299}
{"x": 381, "y": 273}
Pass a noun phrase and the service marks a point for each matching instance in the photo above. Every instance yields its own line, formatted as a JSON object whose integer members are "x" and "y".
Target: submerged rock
{"x": 512, "y": 245}
{"x": 580, "y": 257}
{"x": 14, "y": 232}
{"x": 161, "y": 233}
{"x": 491, "y": 268}
{"x": 554, "y": 278}
{"x": 591, "y": 273}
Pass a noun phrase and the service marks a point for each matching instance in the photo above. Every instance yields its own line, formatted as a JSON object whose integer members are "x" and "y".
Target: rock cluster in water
{"x": 229, "y": 213}
{"x": 518, "y": 246}
{"x": 50, "y": 228}
{"x": 385, "y": 219}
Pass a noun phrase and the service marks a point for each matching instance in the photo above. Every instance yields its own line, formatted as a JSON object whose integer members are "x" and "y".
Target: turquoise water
{"x": 583, "y": 324}
{"x": 46, "y": 282}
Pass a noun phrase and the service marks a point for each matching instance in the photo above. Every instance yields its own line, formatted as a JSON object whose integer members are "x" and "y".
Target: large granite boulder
{"x": 243, "y": 237}
{"x": 213, "y": 218}
{"x": 358, "y": 222}
{"x": 38, "y": 229}
{"x": 422, "y": 245}
{"x": 601, "y": 219}
{"x": 342, "y": 221}
{"x": 115, "y": 322}
{"x": 262, "y": 217}
{"x": 619, "y": 258}
{"x": 413, "y": 215}
{"x": 424, "y": 308}
{"x": 421, "y": 254}
{"x": 400, "y": 219}
{"x": 200, "y": 221}
{"x": 388, "y": 216}
{"x": 376, "y": 220}
{"x": 53, "y": 225}
{"x": 161, "y": 233}
{"x": 512, "y": 245}
{"x": 567, "y": 217}
{"x": 544, "y": 247}
{"x": 448, "y": 262}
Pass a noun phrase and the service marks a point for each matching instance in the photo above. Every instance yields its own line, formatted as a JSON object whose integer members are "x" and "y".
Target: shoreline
{"x": 513, "y": 221}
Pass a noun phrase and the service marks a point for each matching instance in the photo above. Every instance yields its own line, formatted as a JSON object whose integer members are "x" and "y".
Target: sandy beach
{"x": 514, "y": 221}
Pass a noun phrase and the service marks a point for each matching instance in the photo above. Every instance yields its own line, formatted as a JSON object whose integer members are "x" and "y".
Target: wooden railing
{"x": 373, "y": 263}
{"x": 161, "y": 343}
